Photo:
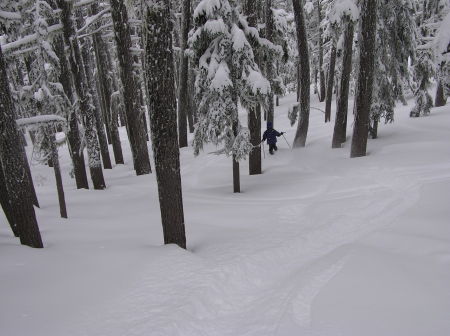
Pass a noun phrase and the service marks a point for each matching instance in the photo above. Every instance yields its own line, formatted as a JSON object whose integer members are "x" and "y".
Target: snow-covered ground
{"x": 320, "y": 244}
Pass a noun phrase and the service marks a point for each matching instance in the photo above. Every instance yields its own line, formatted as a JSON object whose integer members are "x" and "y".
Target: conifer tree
{"x": 227, "y": 75}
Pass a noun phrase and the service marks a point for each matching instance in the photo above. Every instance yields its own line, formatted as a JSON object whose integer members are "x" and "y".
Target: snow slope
{"x": 319, "y": 244}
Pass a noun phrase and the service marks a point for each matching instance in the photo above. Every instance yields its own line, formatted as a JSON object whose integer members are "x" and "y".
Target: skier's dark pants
{"x": 272, "y": 147}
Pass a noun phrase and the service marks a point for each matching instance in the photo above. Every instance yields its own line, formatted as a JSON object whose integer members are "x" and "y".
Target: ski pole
{"x": 287, "y": 142}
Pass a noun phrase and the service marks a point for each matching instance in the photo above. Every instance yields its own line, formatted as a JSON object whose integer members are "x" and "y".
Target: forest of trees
{"x": 73, "y": 72}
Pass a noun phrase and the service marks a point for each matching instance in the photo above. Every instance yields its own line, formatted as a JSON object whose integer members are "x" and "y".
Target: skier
{"x": 271, "y": 135}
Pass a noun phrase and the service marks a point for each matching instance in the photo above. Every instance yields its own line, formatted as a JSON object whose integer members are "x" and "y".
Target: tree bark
{"x": 254, "y": 114}
{"x": 269, "y": 66}
{"x": 340, "y": 124}
{"x": 58, "y": 179}
{"x": 183, "y": 100}
{"x": 321, "y": 72}
{"x": 73, "y": 134}
{"x": 104, "y": 64}
{"x": 440, "y": 99}
{"x": 365, "y": 78}
{"x": 304, "y": 78}
{"x": 81, "y": 88}
{"x": 16, "y": 178}
{"x": 4, "y": 202}
{"x": 88, "y": 61}
{"x": 141, "y": 159}
{"x": 163, "y": 118}
{"x": 330, "y": 83}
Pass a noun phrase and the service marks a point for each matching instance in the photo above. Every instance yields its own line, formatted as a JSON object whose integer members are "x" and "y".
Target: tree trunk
{"x": 340, "y": 124}
{"x": 269, "y": 66}
{"x": 163, "y": 118}
{"x": 88, "y": 61}
{"x": 104, "y": 64}
{"x": 4, "y": 202}
{"x": 81, "y": 88}
{"x": 440, "y": 99}
{"x": 304, "y": 80}
{"x": 57, "y": 170}
{"x": 73, "y": 134}
{"x": 183, "y": 100}
{"x": 236, "y": 173}
{"x": 11, "y": 159}
{"x": 330, "y": 83}
{"x": 365, "y": 78}
{"x": 254, "y": 114}
{"x": 132, "y": 106}
{"x": 321, "y": 72}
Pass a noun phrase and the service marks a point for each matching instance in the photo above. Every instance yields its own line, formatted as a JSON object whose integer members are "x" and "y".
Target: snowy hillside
{"x": 320, "y": 244}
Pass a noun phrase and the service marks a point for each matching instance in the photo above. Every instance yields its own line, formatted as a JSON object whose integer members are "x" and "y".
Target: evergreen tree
{"x": 395, "y": 43}
{"x": 227, "y": 75}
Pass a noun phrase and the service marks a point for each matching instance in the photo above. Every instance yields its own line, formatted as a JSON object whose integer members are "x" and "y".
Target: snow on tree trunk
{"x": 330, "y": 83}
{"x": 254, "y": 113}
{"x": 73, "y": 135}
{"x": 159, "y": 73}
{"x": 88, "y": 62}
{"x": 363, "y": 99}
{"x": 321, "y": 72}
{"x": 136, "y": 132}
{"x": 14, "y": 171}
{"x": 304, "y": 74}
{"x": 82, "y": 95}
{"x": 183, "y": 100}
{"x": 340, "y": 124}
{"x": 104, "y": 64}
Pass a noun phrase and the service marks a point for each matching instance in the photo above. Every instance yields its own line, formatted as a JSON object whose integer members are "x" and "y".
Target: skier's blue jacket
{"x": 271, "y": 135}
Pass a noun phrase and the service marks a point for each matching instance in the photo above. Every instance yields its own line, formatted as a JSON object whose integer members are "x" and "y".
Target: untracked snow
{"x": 319, "y": 244}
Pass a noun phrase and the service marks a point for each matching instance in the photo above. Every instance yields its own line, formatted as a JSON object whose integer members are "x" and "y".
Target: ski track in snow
{"x": 261, "y": 282}
{"x": 238, "y": 286}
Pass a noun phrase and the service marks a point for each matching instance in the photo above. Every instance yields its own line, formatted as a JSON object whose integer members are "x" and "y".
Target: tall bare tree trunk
{"x": 104, "y": 66}
{"x": 14, "y": 171}
{"x": 88, "y": 62}
{"x": 365, "y": 78}
{"x": 132, "y": 106}
{"x": 163, "y": 118}
{"x": 73, "y": 135}
{"x": 330, "y": 83}
{"x": 321, "y": 72}
{"x": 183, "y": 99}
{"x": 340, "y": 124}
{"x": 254, "y": 113}
{"x": 304, "y": 78}
{"x": 270, "y": 27}
{"x": 81, "y": 88}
